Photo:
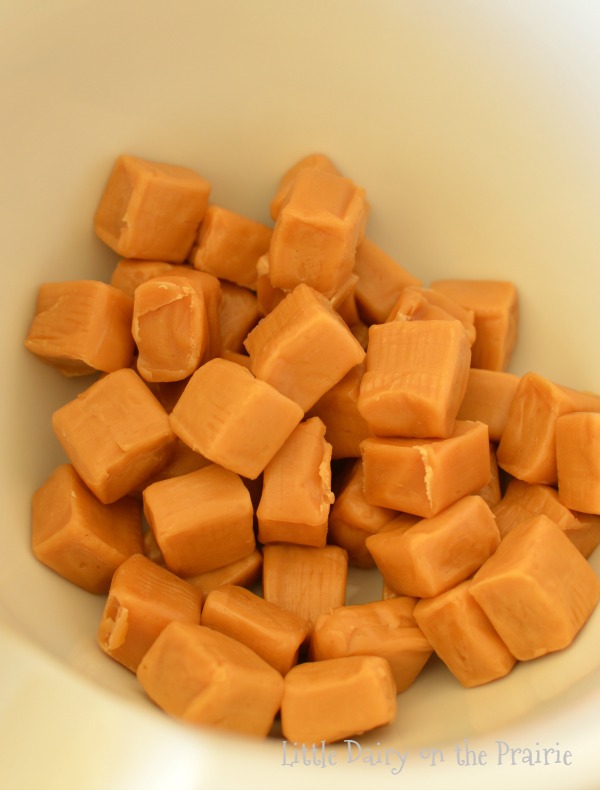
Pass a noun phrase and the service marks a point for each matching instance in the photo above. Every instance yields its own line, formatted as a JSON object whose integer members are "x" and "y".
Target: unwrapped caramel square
{"x": 233, "y": 418}
{"x": 151, "y": 210}
{"x": 115, "y": 433}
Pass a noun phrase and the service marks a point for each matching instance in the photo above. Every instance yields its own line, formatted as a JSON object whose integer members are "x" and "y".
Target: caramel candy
{"x": 463, "y": 637}
{"x": 353, "y": 519}
{"x": 274, "y": 634}
{"x": 170, "y": 329}
{"x": 296, "y": 495}
{"x": 305, "y": 580}
{"x": 537, "y": 590}
{"x": 522, "y": 501}
{"x": 209, "y": 290}
{"x": 425, "y": 304}
{"x": 496, "y": 309}
{"x": 343, "y": 301}
{"x": 237, "y": 357}
{"x": 267, "y": 296}
{"x": 578, "y": 461}
{"x": 242, "y": 573}
{"x": 233, "y": 418}
{"x": 491, "y": 492}
{"x": 338, "y": 408}
{"x": 317, "y": 231}
{"x": 151, "y": 210}
{"x": 128, "y": 273}
{"x": 302, "y": 348}
{"x": 487, "y": 399}
{"x": 424, "y": 476}
{"x": 436, "y": 553}
{"x": 318, "y": 161}
{"x": 143, "y": 598}
{"x": 415, "y": 378}
{"x": 336, "y": 698}
{"x": 207, "y": 678}
{"x": 384, "y": 628}
{"x": 381, "y": 280}
{"x": 82, "y": 326}
{"x": 229, "y": 246}
{"x": 116, "y": 434}
{"x": 181, "y": 461}
{"x": 211, "y": 524}
{"x": 238, "y": 314}
{"x": 77, "y": 536}
{"x": 527, "y": 449}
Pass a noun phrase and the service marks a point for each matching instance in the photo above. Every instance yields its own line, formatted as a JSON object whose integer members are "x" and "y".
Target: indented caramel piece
{"x": 329, "y": 700}
{"x": 317, "y": 231}
{"x": 424, "y": 476}
{"x": 415, "y": 378}
{"x": 578, "y": 461}
{"x": 150, "y": 210}
{"x": 487, "y": 399}
{"x": 338, "y": 408}
{"x": 229, "y": 246}
{"x": 233, "y": 418}
{"x": 527, "y": 449}
{"x": 238, "y": 314}
{"x": 495, "y": 305}
{"x": 305, "y": 580}
{"x": 318, "y": 161}
{"x": 115, "y": 433}
{"x": 439, "y": 552}
{"x": 82, "y": 326}
{"x": 353, "y": 519}
{"x": 296, "y": 494}
{"x": 274, "y": 634}
{"x": 77, "y": 536}
{"x": 206, "y": 678}
{"x": 243, "y": 573}
{"x": 537, "y": 589}
{"x": 380, "y": 282}
{"x": 170, "y": 329}
{"x": 208, "y": 288}
{"x": 143, "y": 598}
{"x": 463, "y": 637}
{"x": 128, "y": 273}
{"x": 522, "y": 501}
{"x": 425, "y": 304}
{"x": 382, "y": 628}
{"x": 302, "y": 348}
{"x": 209, "y": 526}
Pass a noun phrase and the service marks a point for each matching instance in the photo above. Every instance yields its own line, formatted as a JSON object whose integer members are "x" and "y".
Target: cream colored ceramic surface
{"x": 475, "y": 128}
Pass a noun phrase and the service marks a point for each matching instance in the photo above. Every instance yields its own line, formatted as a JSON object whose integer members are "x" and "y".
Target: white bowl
{"x": 475, "y": 129}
